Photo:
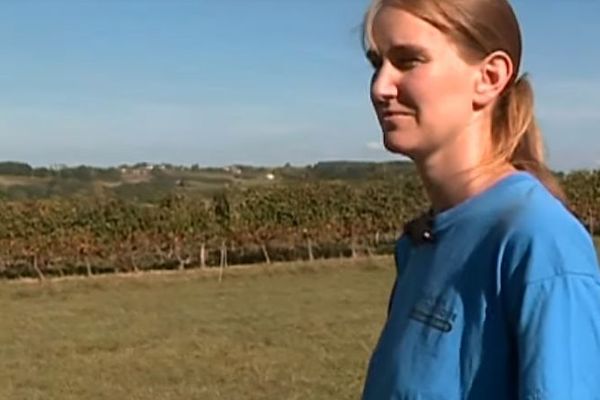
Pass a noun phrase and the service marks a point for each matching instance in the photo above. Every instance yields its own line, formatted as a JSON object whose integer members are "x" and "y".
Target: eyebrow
{"x": 408, "y": 48}
{"x": 372, "y": 54}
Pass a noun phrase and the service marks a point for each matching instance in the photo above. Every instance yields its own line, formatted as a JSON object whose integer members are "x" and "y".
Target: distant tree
{"x": 108, "y": 174}
{"x": 43, "y": 172}
{"x": 15, "y": 168}
{"x": 82, "y": 173}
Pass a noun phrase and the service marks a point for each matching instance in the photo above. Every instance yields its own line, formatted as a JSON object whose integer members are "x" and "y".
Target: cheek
{"x": 443, "y": 97}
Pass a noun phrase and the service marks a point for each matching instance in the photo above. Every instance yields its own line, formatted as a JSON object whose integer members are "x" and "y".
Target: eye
{"x": 406, "y": 63}
{"x": 374, "y": 59}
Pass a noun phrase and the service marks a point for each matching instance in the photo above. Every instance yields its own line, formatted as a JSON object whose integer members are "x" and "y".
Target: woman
{"x": 497, "y": 293}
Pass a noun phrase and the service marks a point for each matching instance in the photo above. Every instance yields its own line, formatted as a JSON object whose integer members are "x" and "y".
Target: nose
{"x": 384, "y": 85}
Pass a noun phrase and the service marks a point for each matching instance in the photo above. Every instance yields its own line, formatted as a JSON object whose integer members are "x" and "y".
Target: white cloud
{"x": 376, "y": 146}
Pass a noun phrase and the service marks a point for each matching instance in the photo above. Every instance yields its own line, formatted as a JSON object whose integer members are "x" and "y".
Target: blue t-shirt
{"x": 503, "y": 304}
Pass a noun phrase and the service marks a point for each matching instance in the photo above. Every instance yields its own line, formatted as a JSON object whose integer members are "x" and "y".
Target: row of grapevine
{"x": 87, "y": 236}
{"x": 93, "y": 235}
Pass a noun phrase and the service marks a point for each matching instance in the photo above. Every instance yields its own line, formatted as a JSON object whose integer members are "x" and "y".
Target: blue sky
{"x": 261, "y": 82}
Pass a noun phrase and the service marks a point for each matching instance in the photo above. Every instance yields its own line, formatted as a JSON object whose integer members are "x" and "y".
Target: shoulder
{"x": 541, "y": 238}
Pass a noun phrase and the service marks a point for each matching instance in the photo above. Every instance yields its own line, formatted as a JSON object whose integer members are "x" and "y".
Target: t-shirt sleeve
{"x": 557, "y": 336}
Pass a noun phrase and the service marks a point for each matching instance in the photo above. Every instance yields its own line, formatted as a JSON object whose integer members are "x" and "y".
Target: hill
{"x": 151, "y": 182}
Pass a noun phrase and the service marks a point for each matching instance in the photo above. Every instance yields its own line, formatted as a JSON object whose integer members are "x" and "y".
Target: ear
{"x": 493, "y": 74}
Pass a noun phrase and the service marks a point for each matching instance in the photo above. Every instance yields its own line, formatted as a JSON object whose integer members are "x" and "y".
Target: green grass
{"x": 299, "y": 331}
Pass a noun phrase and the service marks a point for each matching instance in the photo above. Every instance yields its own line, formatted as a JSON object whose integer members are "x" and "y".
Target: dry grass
{"x": 10, "y": 180}
{"x": 298, "y": 331}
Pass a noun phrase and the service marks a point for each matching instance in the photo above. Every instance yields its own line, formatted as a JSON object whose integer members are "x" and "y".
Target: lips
{"x": 388, "y": 110}
{"x": 391, "y": 113}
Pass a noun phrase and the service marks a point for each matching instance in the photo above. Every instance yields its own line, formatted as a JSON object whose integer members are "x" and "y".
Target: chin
{"x": 397, "y": 143}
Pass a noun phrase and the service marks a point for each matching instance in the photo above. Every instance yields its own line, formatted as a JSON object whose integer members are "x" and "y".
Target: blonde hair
{"x": 480, "y": 27}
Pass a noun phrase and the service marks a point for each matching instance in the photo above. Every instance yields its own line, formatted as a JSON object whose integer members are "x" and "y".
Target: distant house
{"x": 270, "y": 177}
{"x": 136, "y": 171}
{"x": 233, "y": 169}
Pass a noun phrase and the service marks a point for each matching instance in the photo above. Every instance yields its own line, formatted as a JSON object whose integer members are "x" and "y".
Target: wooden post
{"x": 223, "y": 260}
{"x": 37, "y": 269}
{"x": 265, "y": 253}
{"x": 203, "y": 255}
{"x": 88, "y": 266}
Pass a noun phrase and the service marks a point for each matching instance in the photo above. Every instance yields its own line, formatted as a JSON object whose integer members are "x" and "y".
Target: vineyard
{"x": 94, "y": 235}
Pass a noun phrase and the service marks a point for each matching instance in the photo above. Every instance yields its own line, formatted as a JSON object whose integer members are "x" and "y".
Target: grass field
{"x": 297, "y": 331}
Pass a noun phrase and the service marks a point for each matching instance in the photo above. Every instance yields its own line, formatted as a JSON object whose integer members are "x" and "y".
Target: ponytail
{"x": 517, "y": 137}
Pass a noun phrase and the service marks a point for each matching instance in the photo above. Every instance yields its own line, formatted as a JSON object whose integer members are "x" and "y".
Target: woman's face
{"x": 422, "y": 90}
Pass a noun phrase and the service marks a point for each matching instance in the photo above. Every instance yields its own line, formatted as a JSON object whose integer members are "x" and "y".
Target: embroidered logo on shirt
{"x": 433, "y": 315}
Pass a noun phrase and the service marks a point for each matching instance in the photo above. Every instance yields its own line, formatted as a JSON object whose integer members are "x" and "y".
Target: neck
{"x": 459, "y": 173}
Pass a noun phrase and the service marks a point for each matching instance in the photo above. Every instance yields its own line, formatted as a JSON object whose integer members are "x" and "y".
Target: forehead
{"x": 393, "y": 26}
